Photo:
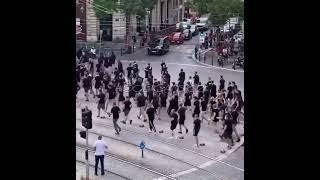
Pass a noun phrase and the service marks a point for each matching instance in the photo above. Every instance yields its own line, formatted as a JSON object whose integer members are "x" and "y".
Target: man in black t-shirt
{"x": 101, "y": 101}
{"x": 126, "y": 109}
{"x": 174, "y": 121}
{"x": 182, "y": 76}
{"x": 86, "y": 86}
{"x": 141, "y": 102}
{"x": 222, "y": 82}
{"x": 151, "y": 115}
{"x": 213, "y": 90}
{"x": 115, "y": 111}
{"x": 182, "y": 118}
{"x": 196, "y": 81}
{"x": 129, "y": 73}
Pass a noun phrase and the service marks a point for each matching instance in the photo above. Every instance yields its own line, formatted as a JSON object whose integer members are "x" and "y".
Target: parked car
{"x": 187, "y": 34}
{"x": 194, "y": 30}
{"x": 185, "y": 25}
{"x": 159, "y": 45}
{"x": 202, "y": 23}
{"x": 190, "y": 21}
{"x": 176, "y": 37}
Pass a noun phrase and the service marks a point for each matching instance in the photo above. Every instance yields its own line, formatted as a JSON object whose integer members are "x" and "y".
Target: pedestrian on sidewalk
{"x": 99, "y": 148}
{"x": 126, "y": 110}
{"x": 115, "y": 111}
{"x": 101, "y": 102}
{"x": 174, "y": 121}
{"x": 196, "y": 129}
{"x": 182, "y": 118}
{"x": 151, "y": 115}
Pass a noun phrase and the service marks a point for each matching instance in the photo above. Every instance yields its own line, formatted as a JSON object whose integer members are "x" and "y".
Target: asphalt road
{"x": 175, "y": 157}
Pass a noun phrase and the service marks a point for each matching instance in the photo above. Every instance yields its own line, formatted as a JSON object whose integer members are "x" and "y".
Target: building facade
{"x": 115, "y": 26}
{"x": 81, "y": 21}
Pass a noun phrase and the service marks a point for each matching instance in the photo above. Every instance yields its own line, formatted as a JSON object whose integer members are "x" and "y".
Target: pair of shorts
{"x": 196, "y": 131}
{"x": 181, "y": 120}
{"x": 173, "y": 126}
{"x": 86, "y": 89}
{"x": 102, "y": 106}
{"x": 126, "y": 112}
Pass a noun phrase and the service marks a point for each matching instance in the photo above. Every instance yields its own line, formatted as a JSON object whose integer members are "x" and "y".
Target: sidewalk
{"x": 115, "y": 46}
{"x": 207, "y": 59}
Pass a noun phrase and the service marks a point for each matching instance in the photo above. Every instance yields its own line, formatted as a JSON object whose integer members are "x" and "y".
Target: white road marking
{"x": 192, "y": 65}
{"x": 206, "y": 164}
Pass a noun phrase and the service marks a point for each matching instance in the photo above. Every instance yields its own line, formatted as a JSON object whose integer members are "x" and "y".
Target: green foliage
{"x": 222, "y": 10}
{"x": 128, "y": 7}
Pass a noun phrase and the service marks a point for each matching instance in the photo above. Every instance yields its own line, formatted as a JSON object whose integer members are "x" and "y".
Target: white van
{"x": 202, "y": 23}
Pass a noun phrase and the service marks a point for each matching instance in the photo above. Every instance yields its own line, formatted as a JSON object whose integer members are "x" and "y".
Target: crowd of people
{"x": 110, "y": 84}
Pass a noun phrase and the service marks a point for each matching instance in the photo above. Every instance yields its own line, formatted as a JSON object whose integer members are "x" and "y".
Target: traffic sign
{"x": 142, "y": 145}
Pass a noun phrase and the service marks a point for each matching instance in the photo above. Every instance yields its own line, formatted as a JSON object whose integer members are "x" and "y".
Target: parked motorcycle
{"x": 238, "y": 62}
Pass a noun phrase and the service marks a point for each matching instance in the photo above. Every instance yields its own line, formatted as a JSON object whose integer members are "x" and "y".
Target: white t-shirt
{"x": 100, "y": 147}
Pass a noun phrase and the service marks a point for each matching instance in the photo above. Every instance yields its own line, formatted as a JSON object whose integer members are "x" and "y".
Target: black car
{"x": 159, "y": 45}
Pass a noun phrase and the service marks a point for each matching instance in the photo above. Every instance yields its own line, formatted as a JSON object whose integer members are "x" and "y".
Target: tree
{"x": 222, "y": 10}
{"x": 128, "y": 7}
{"x": 201, "y": 6}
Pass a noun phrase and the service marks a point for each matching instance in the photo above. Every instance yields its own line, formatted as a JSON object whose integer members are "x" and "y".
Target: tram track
{"x": 117, "y": 158}
{"x": 160, "y": 153}
{"x": 152, "y": 137}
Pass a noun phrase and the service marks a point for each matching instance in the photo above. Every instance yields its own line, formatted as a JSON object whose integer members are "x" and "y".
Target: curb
{"x": 215, "y": 67}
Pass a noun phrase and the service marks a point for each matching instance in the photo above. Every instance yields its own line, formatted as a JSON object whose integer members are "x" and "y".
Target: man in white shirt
{"x": 99, "y": 148}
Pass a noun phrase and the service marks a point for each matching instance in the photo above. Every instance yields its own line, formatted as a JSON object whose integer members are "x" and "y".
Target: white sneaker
{"x": 150, "y": 131}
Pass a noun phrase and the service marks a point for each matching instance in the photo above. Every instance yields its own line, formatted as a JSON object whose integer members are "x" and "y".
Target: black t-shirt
{"x": 197, "y": 123}
{"x": 129, "y": 69}
{"x": 150, "y": 112}
{"x": 222, "y": 82}
{"x": 204, "y": 105}
{"x": 182, "y": 76}
{"x": 112, "y": 92}
{"x": 182, "y": 112}
{"x": 102, "y": 98}
{"x": 141, "y": 100}
{"x": 115, "y": 112}
{"x": 196, "y": 79}
{"x": 127, "y": 104}
{"x": 86, "y": 82}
